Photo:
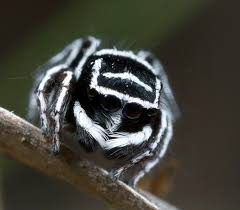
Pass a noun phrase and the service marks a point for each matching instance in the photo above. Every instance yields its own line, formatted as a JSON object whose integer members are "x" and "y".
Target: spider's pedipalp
{"x": 157, "y": 150}
{"x": 122, "y": 139}
{"x": 84, "y": 122}
{"x": 150, "y": 156}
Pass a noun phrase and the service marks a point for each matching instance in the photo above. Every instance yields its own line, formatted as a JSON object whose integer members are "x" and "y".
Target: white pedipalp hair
{"x": 122, "y": 139}
{"x": 107, "y": 91}
{"x": 124, "y": 97}
{"x": 92, "y": 128}
{"x": 113, "y": 121}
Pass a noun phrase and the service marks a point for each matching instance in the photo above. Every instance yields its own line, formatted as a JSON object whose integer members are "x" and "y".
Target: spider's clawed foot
{"x": 56, "y": 148}
{"x": 115, "y": 174}
{"x": 54, "y": 138}
{"x": 45, "y": 131}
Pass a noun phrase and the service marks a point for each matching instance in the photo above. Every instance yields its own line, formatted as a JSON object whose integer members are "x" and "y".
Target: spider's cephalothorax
{"x": 116, "y": 100}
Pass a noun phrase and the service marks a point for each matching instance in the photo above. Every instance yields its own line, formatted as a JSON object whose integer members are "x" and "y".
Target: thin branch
{"x": 23, "y": 142}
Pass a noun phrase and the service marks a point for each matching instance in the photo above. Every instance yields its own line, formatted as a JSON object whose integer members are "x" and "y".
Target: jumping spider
{"x": 118, "y": 101}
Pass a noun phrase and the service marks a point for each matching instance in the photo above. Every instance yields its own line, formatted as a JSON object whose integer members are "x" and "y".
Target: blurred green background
{"x": 197, "y": 41}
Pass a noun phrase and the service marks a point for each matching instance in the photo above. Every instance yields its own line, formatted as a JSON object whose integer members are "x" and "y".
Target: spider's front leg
{"x": 55, "y": 79}
{"x": 59, "y": 109}
{"x": 53, "y": 103}
{"x": 144, "y": 161}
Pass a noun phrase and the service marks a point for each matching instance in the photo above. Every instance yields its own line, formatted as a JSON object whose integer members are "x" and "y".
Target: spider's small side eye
{"x": 152, "y": 112}
{"x": 91, "y": 93}
{"x": 110, "y": 103}
{"x": 132, "y": 111}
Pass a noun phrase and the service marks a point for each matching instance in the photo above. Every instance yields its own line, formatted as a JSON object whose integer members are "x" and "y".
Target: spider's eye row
{"x": 110, "y": 103}
{"x": 132, "y": 111}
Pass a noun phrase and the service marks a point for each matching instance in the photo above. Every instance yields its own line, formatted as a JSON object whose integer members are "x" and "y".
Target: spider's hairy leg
{"x": 148, "y": 157}
{"x": 43, "y": 93}
{"x": 167, "y": 93}
{"x": 89, "y": 46}
{"x": 59, "y": 108}
{"x": 154, "y": 156}
{"x": 52, "y": 101}
{"x": 45, "y": 74}
{"x": 32, "y": 115}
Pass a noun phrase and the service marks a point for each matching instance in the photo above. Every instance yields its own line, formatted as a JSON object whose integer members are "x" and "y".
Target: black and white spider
{"x": 116, "y": 100}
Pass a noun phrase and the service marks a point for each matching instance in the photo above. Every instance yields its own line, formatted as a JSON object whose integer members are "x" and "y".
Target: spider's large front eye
{"x": 132, "y": 111}
{"x": 110, "y": 103}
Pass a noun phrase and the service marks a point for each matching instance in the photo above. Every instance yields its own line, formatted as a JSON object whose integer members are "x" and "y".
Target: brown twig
{"x": 24, "y": 142}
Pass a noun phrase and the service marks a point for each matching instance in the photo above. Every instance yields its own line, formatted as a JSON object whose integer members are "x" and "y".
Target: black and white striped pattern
{"x": 116, "y": 77}
{"x": 61, "y": 94}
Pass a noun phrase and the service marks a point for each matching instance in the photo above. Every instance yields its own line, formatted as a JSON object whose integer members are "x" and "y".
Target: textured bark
{"x": 24, "y": 142}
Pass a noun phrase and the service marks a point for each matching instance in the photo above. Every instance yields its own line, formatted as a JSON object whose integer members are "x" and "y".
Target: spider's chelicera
{"x": 116, "y": 100}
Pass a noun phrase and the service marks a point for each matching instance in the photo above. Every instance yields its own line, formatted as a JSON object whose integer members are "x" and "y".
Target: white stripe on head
{"x": 124, "y": 97}
{"x": 128, "y": 76}
{"x": 87, "y": 53}
{"x": 107, "y": 91}
{"x": 122, "y": 139}
{"x": 125, "y": 54}
{"x": 92, "y": 128}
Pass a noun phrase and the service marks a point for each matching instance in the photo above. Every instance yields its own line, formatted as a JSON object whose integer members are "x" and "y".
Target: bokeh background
{"x": 198, "y": 43}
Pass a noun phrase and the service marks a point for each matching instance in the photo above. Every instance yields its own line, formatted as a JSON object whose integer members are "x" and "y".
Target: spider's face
{"x": 124, "y": 97}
